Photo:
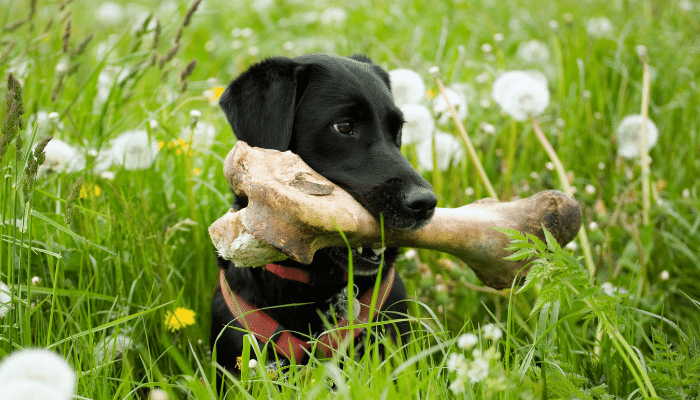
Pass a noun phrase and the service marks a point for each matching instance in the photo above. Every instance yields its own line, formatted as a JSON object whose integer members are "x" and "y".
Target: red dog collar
{"x": 265, "y": 327}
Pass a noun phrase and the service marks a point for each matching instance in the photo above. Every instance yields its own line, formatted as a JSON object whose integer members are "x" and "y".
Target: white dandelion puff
{"x": 419, "y": 123}
{"x": 61, "y": 157}
{"x": 407, "y": 86}
{"x": 533, "y": 52}
{"x": 521, "y": 94}
{"x": 333, "y": 16}
{"x": 491, "y": 331}
{"x": 202, "y": 136}
{"x": 457, "y": 97}
{"x": 629, "y": 132}
{"x": 5, "y": 299}
{"x": 134, "y": 150}
{"x": 478, "y": 371}
{"x": 39, "y": 368}
{"x": 664, "y": 275}
{"x": 112, "y": 348}
{"x": 110, "y": 13}
{"x": 467, "y": 341}
{"x": 448, "y": 151}
{"x": 158, "y": 394}
{"x": 30, "y": 390}
{"x": 599, "y": 27}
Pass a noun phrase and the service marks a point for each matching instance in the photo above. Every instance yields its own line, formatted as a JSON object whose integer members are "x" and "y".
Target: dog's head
{"x": 339, "y": 116}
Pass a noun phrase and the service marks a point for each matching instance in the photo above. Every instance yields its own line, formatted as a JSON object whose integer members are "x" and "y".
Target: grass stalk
{"x": 470, "y": 147}
{"x": 643, "y": 148}
{"x": 559, "y": 167}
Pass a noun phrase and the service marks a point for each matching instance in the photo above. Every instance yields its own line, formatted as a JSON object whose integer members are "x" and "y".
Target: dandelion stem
{"x": 470, "y": 147}
{"x": 643, "y": 148}
{"x": 559, "y": 167}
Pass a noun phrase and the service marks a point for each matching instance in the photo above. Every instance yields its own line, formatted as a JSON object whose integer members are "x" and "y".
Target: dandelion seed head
{"x": 419, "y": 123}
{"x": 158, "y": 394}
{"x": 134, "y": 150}
{"x": 40, "y": 368}
{"x": 61, "y": 157}
{"x": 30, "y": 390}
{"x": 533, "y": 52}
{"x": 664, "y": 275}
{"x": 491, "y": 331}
{"x": 593, "y": 226}
{"x": 406, "y": 86}
{"x": 253, "y": 363}
{"x": 478, "y": 371}
{"x": 448, "y": 151}
{"x": 469, "y": 191}
{"x": 467, "y": 341}
{"x": 487, "y": 128}
{"x": 498, "y": 37}
{"x": 572, "y": 246}
{"x": 486, "y": 48}
{"x": 599, "y": 27}
{"x": 112, "y": 348}
{"x": 629, "y": 133}
{"x": 36, "y": 281}
{"x": 5, "y": 299}
{"x": 457, "y": 97}
{"x": 333, "y": 16}
{"x": 686, "y": 193}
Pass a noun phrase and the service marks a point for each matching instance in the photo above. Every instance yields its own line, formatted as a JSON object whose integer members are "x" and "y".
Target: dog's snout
{"x": 420, "y": 201}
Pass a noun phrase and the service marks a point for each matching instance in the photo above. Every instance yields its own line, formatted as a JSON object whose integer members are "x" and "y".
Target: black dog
{"x": 339, "y": 116}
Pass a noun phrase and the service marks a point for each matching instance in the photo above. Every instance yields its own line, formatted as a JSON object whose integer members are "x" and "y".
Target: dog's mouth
{"x": 365, "y": 260}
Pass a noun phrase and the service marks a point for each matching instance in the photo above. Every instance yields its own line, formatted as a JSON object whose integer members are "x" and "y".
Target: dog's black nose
{"x": 420, "y": 201}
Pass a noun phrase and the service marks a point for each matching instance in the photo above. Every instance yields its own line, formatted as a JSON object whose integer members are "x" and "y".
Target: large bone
{"x": 293, "y": 211}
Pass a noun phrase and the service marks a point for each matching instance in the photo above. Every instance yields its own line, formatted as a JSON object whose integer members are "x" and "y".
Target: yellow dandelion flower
{"x": 160, "y": 144}
{"x": 431, "y": 93}
{"x": 213, "y": 94}
{"x": 181, "y": 318}
{"x": 197, "y": 171}
{"x": 89, "y": 189}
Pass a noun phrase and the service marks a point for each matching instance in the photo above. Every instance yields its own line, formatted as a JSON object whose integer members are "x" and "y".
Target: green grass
{"x": 137, "y": 246}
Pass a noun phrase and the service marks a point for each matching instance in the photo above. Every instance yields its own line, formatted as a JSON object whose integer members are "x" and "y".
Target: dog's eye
{"x": 345, "y": 128}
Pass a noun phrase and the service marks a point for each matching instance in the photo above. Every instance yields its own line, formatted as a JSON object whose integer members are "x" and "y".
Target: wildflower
{"x": 407, "y": 86}
{"x": 599, "y": 27}
{"x": 419, "y": 123}
{"x": 455, "y": 94}
{"x": 47, "y": 122}
{"x": 134, "y": 150}
{"x": 35, "y": 374}
{"x": 333, "y": 16}
{"x": 158, "y": 394}
{"x": 533, "y": 52}
{"x": 487, "y": 128}
{"x": 61, "y": 157}
{"x": 109, "y": 13}
{"x": 491, "y": 331}
{"x": 467, "y": 341}
{"x": 521, "y": 94}
{"x": 629, "y": 132}
{"x": 214, "y": 94}
{"x": 201, "y": 137}
{"x": 612, "y": 290}
{"x": 112, "y": 348}
{"x": 252, "y": 363}
{"x": 479, "y": 370}
{"x": 664, "y": 275}
{"x": 5, "y": 299}
{"x": 411, "y": 254}
{"x": 181, "y": 318}
{"x": 448, "y": 151}
{"x": 456, "y": 361}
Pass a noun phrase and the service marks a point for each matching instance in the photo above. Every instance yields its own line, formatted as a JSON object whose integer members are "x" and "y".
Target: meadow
{"x": 105, "y": 257}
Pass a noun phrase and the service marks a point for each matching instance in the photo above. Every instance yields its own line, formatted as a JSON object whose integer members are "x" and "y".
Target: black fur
{"x": 293, "y": 104}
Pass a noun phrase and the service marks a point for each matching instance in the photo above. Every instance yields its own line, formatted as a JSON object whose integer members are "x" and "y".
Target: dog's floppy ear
{"x": 260, "y": 103}
{"x": 376, "y": 68}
